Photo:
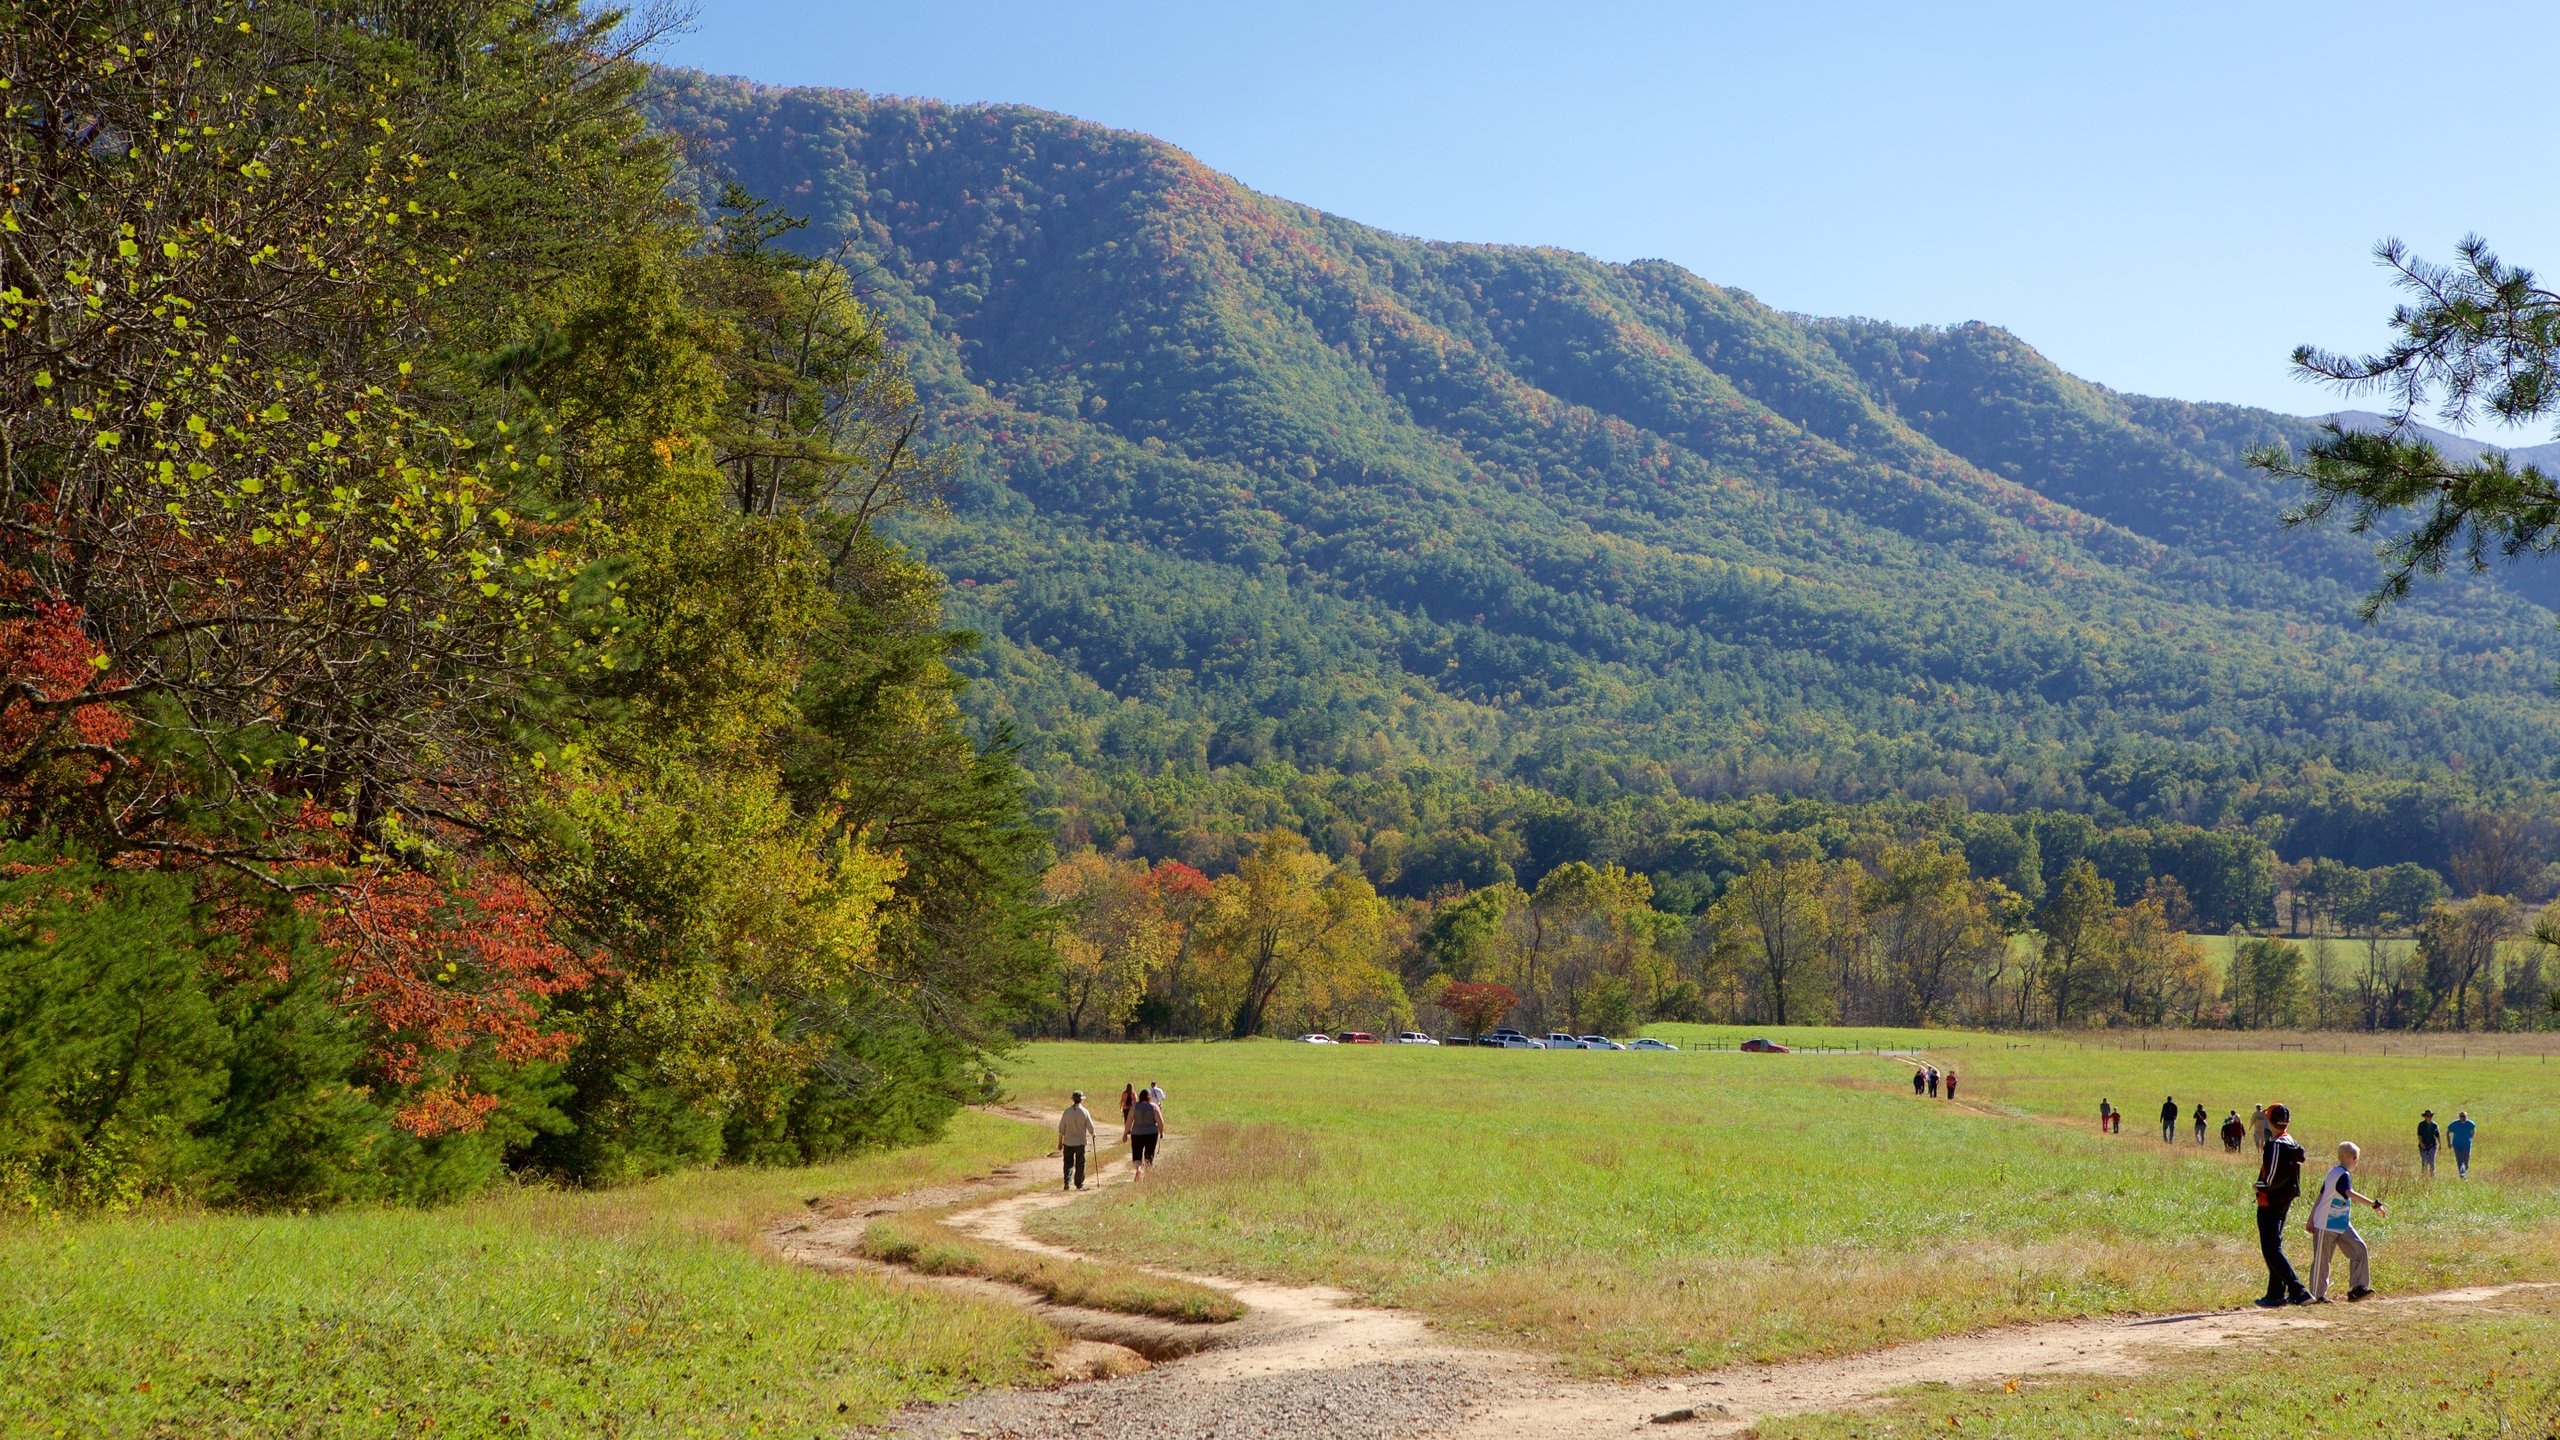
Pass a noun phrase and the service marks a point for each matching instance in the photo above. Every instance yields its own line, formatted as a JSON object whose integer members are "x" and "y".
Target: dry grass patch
{"x": 923, "y": 1240}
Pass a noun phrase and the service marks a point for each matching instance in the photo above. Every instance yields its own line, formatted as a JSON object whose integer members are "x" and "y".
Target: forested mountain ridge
{"x": 1254, "y": 491}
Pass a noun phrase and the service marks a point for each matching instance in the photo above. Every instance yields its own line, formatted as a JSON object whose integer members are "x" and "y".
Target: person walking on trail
{"x": 2427, "y": 1133}
{"x": 2258, "y": 1128}
{"x": 2169, "y": 1120}
{"x": 1075, "y": 1132}
{"x": 1951, "y": 1084}
{"x": 1919, "y": 1080}
{"x": 1933, "y": 1082}
{"x": 2106, "y": 1116}
{"x": 2233, "y": 1132}
{"x": 2279, "y": 1185}
{"x": 1155, "y": 1092}
{"x": 2458, "y": 1134}
{"x": 1146, "y": 1127}
{"x": 2201, "y": 1118}
{"x": 1128, "y": 1099}
{"x": 2333, "y": 1228}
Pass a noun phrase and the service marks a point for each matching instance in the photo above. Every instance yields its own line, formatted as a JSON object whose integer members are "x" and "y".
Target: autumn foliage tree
{"x": 451, "y": 561}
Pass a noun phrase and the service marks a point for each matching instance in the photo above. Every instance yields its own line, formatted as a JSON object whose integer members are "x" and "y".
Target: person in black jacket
{"x": 2169, "y": 1120}
{"x": 2279, "y": 1185}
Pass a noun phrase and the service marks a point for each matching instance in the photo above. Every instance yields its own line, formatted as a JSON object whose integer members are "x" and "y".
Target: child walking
{"x": 2333, "y": 1228}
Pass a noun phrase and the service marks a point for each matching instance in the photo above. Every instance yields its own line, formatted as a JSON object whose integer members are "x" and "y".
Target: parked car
{"x": 1494, "y": 1042}
{"x": 1517, "y": 1041}
{"x": 1355, "y": 1037}
{"x": 1649, "y": 1043}
{"x": 1600, "y": 1042}
{"x": 1414, "y": 1037}
{"x": 1558, "y": 1040}
{"x": 1757, "y": 1046}
{"x": 1504, "y": 1032}
{"x": 1458, "y": 1040}
{"x": 1315, "y": 1039}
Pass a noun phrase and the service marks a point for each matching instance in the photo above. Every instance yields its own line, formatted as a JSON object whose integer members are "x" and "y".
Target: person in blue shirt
{"x": 2458, "y": 1134}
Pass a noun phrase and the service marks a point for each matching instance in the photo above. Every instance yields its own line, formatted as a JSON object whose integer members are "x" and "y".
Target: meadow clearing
{"x": 1648, "y": 1213}
{"x": 646, "y": 1311}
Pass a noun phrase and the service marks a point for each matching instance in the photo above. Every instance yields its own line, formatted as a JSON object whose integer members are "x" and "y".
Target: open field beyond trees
{"x": 1647, "y": 1213}
{"x": 645, "y": 1311}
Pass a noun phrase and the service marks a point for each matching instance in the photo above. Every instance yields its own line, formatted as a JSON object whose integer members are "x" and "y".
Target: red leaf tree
{"x": 1477, "y": 1006}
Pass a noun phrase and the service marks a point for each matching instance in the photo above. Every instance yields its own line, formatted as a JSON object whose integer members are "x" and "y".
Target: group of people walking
{"x": 2111, "y": 1122}
{"x": 1926, "y": 1080}
{"x": 1141, "y": 1127}
{"x": 2281, "y": 1160}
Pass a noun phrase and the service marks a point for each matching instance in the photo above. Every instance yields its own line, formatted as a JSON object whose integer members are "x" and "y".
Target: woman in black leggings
{"x": 1146, "y": 1126}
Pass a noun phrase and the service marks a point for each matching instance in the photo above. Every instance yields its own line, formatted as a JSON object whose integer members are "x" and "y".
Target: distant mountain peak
{"x": 1253, "y": 483}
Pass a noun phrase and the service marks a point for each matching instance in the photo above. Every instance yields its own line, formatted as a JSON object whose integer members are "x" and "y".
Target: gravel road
{"x": 1378, "y": 1401}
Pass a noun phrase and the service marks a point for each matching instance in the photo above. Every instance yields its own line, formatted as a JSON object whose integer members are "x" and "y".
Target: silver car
{"x": 1558, "y": 1040}
{"x": 1520, "y": 1042}
{"x": 1600, "y": 1042}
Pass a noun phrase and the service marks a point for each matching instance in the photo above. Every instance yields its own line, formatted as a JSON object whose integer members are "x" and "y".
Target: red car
{"x": 1757, "y": 1046}
{"x": 1355, "y": 1037}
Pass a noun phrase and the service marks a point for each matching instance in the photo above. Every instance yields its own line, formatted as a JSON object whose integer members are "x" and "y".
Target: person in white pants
{"x": 2333, "y": 1229}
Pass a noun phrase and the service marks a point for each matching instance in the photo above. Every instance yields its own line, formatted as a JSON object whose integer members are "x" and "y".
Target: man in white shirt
{"x": 1155, "y": 1092}
{"x": 1075, "y": 1132}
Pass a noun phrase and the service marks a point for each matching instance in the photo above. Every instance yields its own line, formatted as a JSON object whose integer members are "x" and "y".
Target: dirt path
{"x": 1310, "y": 1360}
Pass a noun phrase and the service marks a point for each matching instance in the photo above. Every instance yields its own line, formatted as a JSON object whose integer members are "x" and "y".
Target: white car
{"x": 1520, "y": 1042}
{"x": 1649, "y": 1043}
{"x": 1414, "y": 1037}
{"x": 1315, "y": 1039}
{"x": 1600, "y": 1042}
{"x": 1558, "y": 1040}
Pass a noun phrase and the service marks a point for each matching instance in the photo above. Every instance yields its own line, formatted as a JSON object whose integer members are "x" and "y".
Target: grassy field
{"x": 2398, "y": 1371}
{"x": 638, "y": 1312}
{"x": 1640, "y": 1213}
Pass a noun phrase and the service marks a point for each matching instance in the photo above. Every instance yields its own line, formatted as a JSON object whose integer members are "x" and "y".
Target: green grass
{"x": 1640, "y": 1213}
{"x": 639, "y": 1312}
{"x": 920, "y": 1240}
{"x": 2396, "y": 1371}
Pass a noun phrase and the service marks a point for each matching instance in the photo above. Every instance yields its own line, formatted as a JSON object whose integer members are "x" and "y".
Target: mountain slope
{"x": 1253, "y": 483}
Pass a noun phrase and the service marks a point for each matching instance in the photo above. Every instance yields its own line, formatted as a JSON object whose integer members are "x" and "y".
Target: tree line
{"x": 1900, "y": 931}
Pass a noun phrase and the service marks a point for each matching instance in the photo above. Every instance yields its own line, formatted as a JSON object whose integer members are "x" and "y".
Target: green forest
{"x": 460, "y": 711}
{"x": 1468, "y": 561}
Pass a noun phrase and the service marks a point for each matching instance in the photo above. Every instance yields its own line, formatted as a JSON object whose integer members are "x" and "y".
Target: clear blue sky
{"x": 2162, "y": 197}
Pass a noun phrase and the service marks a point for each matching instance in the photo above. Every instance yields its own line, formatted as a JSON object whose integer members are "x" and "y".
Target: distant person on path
{"x": 2458, "y": 1134}
{"x": 1155, "y": 1092}
{"x": 2279, "y": 1185}
{"x": 2233, "y": 1132}
{"x": 2427, "y": 1133}
{"x": 2169, "y": 1120}
{"x": 2258, "y": 1128}
{"x": 1128, "y": 1100}
{"x": 1933, "y": 1082}
{"x": 2106, "y": 1116}
{"x": 2201, "y": 1119}
{"x": 2333, "y": 1228}
{"x": 1919, "y": 1080}
{"x": 1951, "y": 1084}
{"x": 1146, "y": 1126}
{"x": 1075, "y": 1132}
